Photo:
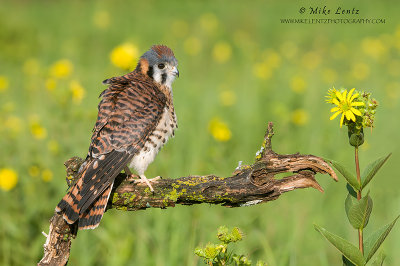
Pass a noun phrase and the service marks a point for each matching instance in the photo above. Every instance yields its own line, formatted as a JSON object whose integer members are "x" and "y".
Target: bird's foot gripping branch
{"x": 248, "y": 185}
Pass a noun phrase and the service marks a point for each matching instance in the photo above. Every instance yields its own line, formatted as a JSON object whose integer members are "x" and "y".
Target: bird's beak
{"x": 175, "y": 71}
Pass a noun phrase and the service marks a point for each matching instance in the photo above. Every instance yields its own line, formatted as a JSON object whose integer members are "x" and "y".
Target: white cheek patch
{"x": 164, "y": 76}
{"x": 157, "y": 74}
{"x": 169, "y": 80}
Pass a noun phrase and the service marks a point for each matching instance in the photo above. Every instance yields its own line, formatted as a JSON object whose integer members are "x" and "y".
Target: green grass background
{"x": 279, "y": 232}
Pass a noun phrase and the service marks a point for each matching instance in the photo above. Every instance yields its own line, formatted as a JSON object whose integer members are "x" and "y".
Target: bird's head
{"x": 160, "y": 64}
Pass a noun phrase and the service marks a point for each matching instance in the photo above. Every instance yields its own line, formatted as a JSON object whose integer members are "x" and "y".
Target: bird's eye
{"x": 161, "y": 66}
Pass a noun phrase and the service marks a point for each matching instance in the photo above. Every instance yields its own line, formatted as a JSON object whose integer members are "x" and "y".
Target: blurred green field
{"x": 238, "y": 66}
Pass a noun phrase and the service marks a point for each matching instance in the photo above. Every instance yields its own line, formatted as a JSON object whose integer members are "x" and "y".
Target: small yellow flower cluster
{"x": 77, "y": 91}
{"x": 51, "y": 84}
{"x": 125, "y": 56}
{"x": 374, "y": 47}
{"x": 34, "y": 171}
{"x": 222, "y": 52}
{"x": 271, "y": 60}
{"x": 219, "y": 130}
{"x": 300, "y": 117}
{"x": 262, "y": 71}
{"x": 227, "y": 97}
{"x": 46, "y": 174}
{"x": 61, "y": 69}
{"x": 37, "y": 130}
{"x": 8, "y": 179}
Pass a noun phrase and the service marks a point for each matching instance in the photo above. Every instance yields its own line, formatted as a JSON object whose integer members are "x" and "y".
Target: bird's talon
{"x": 155, "y": 178}
{"x": 133, "y": 178}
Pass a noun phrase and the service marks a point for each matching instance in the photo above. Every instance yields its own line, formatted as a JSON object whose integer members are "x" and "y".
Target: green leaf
{"x": 345, "y": 247}
{"x": 349, "y": 202}
{"x": 378, "y": 261}
{"x": 351, "y": 191}
{"x": 351, "y": 179}
{"x": 375, "y": 240}
{"x": 371, "y": 169}
{"x": 346, "y": 262}
{"x": 359, "y": 211}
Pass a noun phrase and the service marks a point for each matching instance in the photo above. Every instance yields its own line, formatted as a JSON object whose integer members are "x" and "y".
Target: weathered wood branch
{"x": 248, "y": 185}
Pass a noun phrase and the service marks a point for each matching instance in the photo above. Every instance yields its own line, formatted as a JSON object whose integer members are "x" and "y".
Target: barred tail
{"x": 87, "y": 199}
{"x": 91, "y": 218}
{"x": 69, "y": 203}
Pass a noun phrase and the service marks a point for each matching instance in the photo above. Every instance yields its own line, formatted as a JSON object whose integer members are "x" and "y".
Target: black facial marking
{"x": 163, "y": 78}
{"x": 139, "y": 66}
{"x": 150, "y": 72}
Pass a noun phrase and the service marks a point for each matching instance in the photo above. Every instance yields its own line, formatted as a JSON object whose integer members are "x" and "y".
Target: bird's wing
{"x": 128, "y": 114}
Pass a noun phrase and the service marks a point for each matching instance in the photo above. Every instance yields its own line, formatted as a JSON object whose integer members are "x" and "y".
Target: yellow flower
{"x": 374, "y": 48}
{"x": 61, "y": 69}
{"x": 271, "y": 58}
{"x": 222, "y": 52}
{"x": 192, "y": 46}
{"x": 125, "y": 56}
{"x": 37, "y": 130}
{"x": 101, "y": 19}
{"x": 47, "y": 175}
{"x": 331, "y": 95}
{"x": 219, "y": 130}
{"x": 3, "y": 83}
{"x": 78, "y": 92}
{"x": 51, "y": 84}
{"x": 345, "y": 105}
{"x": 34, "y": 171}
{"x": 300, "y": 117}
{"x": 8, "y": 179}
{"x": 227, "y": 97}
{"x": 262, "y": 71}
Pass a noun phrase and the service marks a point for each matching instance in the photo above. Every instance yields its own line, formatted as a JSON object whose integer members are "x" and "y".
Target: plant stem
{"x": 360, "y": 231}
{"x": 358, "y": 172}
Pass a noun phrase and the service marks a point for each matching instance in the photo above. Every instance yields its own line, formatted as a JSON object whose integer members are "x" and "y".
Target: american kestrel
{"x": 136, "y": 118}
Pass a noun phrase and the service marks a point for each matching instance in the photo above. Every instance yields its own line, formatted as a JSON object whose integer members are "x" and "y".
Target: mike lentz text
{"x": 338, "y": 11}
